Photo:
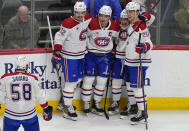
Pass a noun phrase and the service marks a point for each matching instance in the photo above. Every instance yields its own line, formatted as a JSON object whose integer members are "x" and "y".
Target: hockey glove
{"x": 142, "y": 48}
{"x": 47, "y": 113}
{"x": 144, "y": 16}
{"x": 56, "y": 59}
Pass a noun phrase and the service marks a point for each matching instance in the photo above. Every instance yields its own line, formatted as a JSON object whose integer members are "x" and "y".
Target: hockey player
{"x": 149, "y": 18}
{"x": 117, "y": 70}
{"x": 134, "y": 47}
{"x": 69, "y": 50}
{"x": 101, "y": 31}
{"x": 20, "y": 90}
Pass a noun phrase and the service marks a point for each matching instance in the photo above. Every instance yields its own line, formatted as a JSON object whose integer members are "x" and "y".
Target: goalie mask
{"x": 133, "y": 6}
{"x": 80, "y": 7}
{"x": 21, "y": 63}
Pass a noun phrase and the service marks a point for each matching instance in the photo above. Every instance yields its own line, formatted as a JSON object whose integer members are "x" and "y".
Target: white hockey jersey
{"x": 132, "y": 57}
{"x": 20, "y": 91}
{"x": 100, "y": 39}
{"x": 121, "y": 42}
{"x": 71, "y": 39}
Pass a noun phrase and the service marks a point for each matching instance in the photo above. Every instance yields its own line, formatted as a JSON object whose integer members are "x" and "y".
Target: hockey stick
{"x": 155, "y": 4}
{"x": 57, "y": 66}
{"x": 50, "y": 32}
{"x": 142, "y": 85}
{"x": 107, "y": 87}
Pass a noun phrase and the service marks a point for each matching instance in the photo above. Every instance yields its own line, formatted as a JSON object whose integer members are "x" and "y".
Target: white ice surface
{"x": 158, "y": 121}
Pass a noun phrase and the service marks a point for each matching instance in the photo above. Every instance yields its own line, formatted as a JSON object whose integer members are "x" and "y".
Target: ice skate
{"x": 97, "y": 109}
{"x": 114, "y": 108}
{"x": 139, "y": 118}
{"x": 87, "y": 109}
{"x": 70, "y": 113}
{"x": 129, "y": 110}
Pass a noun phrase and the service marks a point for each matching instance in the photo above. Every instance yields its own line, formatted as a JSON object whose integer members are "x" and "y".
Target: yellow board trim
{"x": 154, "y": 103}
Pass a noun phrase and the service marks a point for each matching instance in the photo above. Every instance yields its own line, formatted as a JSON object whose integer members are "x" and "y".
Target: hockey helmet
{"x": 21, "y": 62}
{"x": 123, "y": 14}
{"x": 80, "y": 7}
{"x": 105, "y": 10}
{"x": 133, "y": 6}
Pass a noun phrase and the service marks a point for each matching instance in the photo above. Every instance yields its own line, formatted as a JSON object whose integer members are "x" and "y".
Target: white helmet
{"x": 80, "y": 7}
{"x": 133, "y": 6}
{"x": 105, "y": 10}
{"x": 123, "y": 14}
{"x": 21, "y": 62}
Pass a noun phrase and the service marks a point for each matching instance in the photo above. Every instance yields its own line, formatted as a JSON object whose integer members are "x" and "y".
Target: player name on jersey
{"x": 19, "y": 78}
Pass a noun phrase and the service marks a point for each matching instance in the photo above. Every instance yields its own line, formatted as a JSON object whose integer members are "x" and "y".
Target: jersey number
{"x": 25, "y": 91}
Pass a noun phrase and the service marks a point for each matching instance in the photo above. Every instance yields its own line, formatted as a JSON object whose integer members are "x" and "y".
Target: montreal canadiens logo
{"x": 83, "y": 35}
{"x": 102, "y": 41}
{"x": 123, "y": 35}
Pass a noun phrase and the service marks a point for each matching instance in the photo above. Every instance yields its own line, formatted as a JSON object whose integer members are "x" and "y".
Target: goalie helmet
{"x": 80, "y": 7}
{"x": 21, "y": 62}
{"x": 123, "y": 14}
{"x": 105, "y": 10}
{"x": 133, "y": 6}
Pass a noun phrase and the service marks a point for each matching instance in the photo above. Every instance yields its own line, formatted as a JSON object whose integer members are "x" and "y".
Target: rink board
{"x": 167, "y": 84}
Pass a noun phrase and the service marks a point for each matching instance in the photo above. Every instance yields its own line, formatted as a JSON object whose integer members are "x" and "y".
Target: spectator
{"x": 8, "y": 9}
{"x": 18, "y": 30}
{"x": 93, "y": 7}
{"x": 182, "y": 21}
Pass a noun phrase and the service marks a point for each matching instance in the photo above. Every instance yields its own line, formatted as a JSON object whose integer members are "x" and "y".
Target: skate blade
{"x": 69, "y": 118}
{"x": 97, "y": 113}
{"x": 111, "y": 113}
{"x": 137, "y": 122}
